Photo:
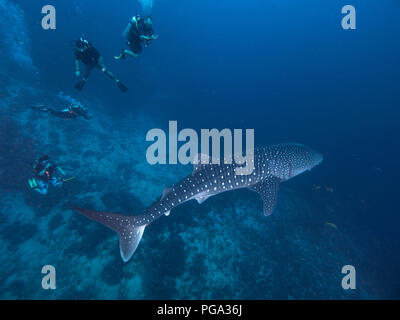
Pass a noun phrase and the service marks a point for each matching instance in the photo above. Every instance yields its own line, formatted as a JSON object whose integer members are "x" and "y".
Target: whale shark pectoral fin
{"x": 200, "y": 200}
{"x": 268, "y": 190}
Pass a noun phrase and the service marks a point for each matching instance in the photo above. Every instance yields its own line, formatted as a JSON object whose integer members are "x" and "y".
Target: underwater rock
{"x": 55, "y": 222}
{"x": 14, "y": 34}
{"x": 17, "y": 233}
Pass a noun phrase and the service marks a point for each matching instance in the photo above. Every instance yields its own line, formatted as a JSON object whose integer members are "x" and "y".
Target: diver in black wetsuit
{"x": 71, "y": 112}
{"x": 90, "y": 56}
{"x": 139, "y": 31}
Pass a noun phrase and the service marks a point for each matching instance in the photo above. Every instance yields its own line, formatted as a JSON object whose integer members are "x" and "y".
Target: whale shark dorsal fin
{"x": 166, "y": 192}
{"x": 268, "y": 190}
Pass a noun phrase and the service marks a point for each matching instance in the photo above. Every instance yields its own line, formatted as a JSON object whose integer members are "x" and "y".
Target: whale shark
{"x": 273, "y": 164}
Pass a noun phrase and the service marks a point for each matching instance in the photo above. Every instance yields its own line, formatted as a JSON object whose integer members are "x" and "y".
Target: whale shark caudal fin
{"x": 268, "y": 190}
{"x": 128, "y": 228}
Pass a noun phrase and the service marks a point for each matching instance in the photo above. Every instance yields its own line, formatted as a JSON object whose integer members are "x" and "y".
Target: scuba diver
{"x": 90, "y": 56}
{"x": 71, "y": 112}
{"x": 139, "y": 31}
{"x": 46, "y": 173}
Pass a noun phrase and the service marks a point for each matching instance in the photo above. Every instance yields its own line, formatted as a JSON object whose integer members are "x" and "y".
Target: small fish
{"x": 272, "y": 165}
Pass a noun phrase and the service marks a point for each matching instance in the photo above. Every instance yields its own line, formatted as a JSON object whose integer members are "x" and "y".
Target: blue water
{"x": 284, "y": 68}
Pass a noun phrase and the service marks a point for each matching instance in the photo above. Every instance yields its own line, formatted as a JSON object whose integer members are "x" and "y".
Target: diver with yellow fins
{"x": 47, "y": 173}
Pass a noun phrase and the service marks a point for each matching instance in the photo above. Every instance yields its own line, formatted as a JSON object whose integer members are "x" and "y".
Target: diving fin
{"x": 79, "y": 86}
{"x": 121, "y": 86}
{"x": 32, "y": 183}
{"x": 40, "y": 107}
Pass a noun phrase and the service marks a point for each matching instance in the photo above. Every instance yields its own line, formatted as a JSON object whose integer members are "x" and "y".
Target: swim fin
{"x": 40, "y": 107}
{"x": 32, "y": 183}
{"x": 121, "y": 86}
{"x": 79, "y": 85}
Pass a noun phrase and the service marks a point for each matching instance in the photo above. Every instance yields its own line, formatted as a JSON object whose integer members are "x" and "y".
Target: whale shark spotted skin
{"x": 272, "y": 165}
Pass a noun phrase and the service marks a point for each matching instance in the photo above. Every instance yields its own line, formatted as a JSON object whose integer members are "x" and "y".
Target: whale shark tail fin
{"x": 129, "y": 228}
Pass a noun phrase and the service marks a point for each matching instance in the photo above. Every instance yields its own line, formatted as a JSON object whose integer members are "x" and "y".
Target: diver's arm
{"x": 152, "y": 37}
{"x": 61, "y": 171}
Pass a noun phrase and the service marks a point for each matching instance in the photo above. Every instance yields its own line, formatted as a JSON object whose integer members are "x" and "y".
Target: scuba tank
{"x": 32, "y": 183}
{"x": 132, "y": 23}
